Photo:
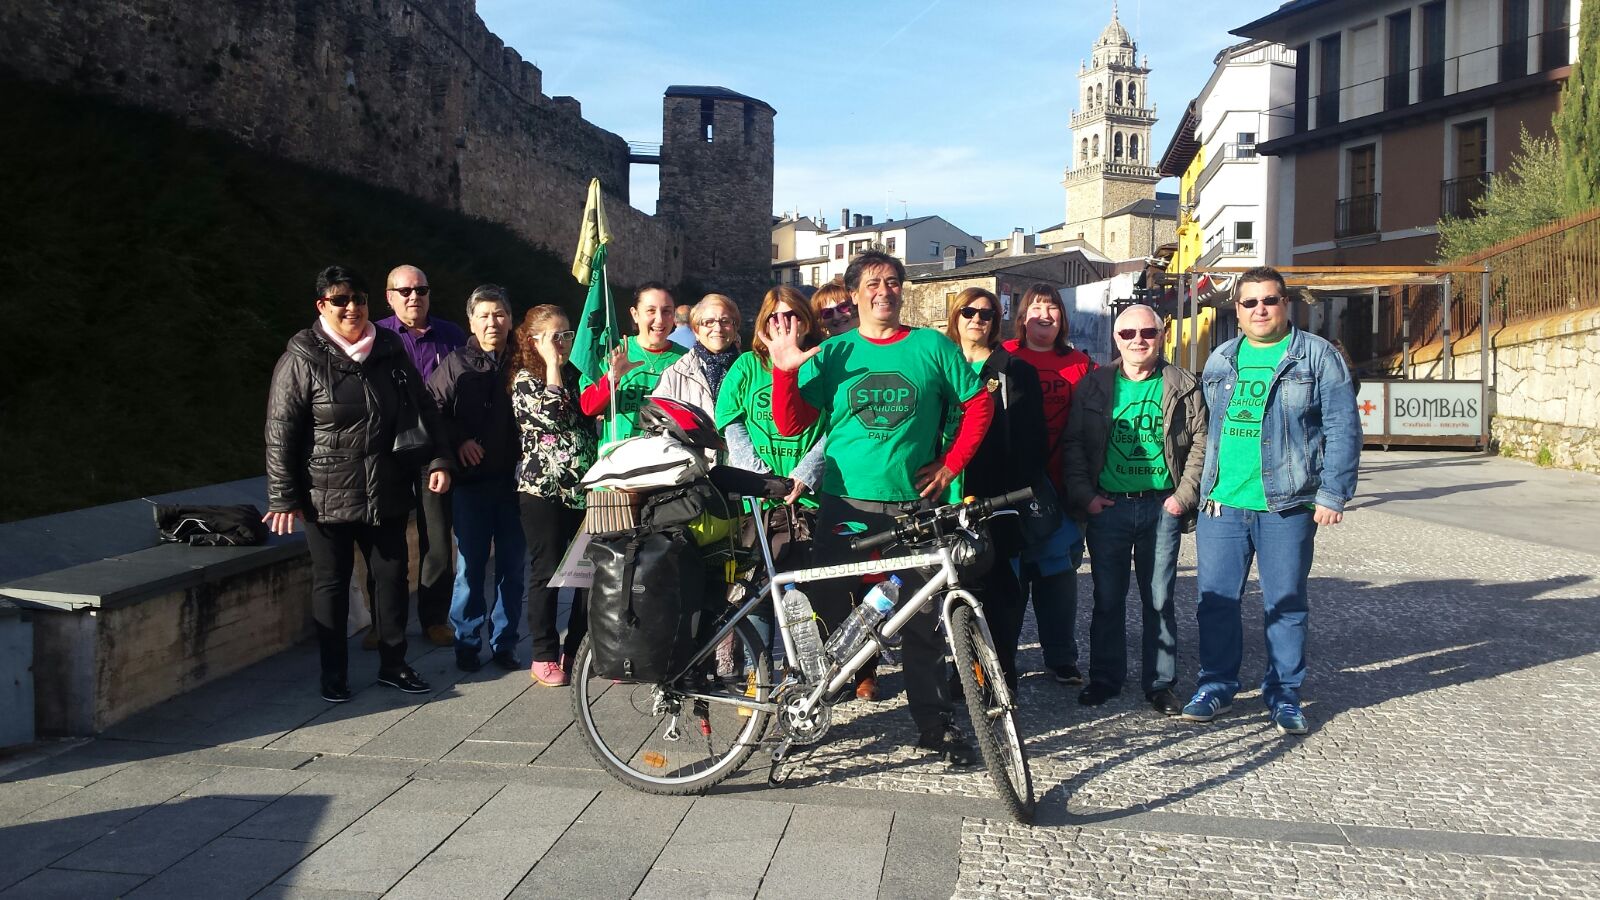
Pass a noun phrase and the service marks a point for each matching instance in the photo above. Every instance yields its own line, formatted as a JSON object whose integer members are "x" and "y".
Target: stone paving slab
{"x": 64, "y": 884}
{"x": 318, "y": 809}
{"x": 375, "y": 852}
{"x": 923, "y": 858}
{"x": 730, "y": 839}
{"x": 150, "y": 843}
{"x": 609, "y": 850}
{"x": 829, "y": 853}
{"x": 225, "y": 868}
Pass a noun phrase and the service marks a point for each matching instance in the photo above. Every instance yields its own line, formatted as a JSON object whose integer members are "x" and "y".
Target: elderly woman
{"x": 696, "y": 378}
{"x": 1041, "y": 341}
{"x": 340, "y": 393}
{"x": 558, "y": 446}
{"x": 834, "y": 308}
{"x": 1009, "y": 458}
{"x": 471, "y": 387}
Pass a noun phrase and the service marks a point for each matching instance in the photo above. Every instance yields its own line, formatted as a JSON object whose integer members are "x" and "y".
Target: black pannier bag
{"x": 648, "y": 586}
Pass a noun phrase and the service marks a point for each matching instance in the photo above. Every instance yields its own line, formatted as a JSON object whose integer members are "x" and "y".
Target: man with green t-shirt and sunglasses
{"x": 1282, "y": 449}
{"x": 1131, "y": 465}
{"x": 882, "y": 391}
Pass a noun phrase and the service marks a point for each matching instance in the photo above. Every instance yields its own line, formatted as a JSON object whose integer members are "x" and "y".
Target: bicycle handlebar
{"x": 919, "y": 524}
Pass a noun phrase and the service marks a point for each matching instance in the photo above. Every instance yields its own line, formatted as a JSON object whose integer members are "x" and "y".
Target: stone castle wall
{"x": 1545, "y": 387}
{"x": 415, "y": 95}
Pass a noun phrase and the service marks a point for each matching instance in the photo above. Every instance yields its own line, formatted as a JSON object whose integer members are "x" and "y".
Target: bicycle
{"x": 694, "y": 729}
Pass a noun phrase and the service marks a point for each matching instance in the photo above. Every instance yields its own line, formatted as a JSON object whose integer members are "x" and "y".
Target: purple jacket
{"x": 428, "y": 350}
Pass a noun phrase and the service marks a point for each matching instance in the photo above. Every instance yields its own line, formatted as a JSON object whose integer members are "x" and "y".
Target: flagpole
{"x": 605, "y": 284}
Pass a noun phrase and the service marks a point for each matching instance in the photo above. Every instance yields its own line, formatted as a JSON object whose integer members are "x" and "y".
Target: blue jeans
{"x": 1055, "y": 608}
{"x": 1134, "y": 527}
{"x": 1281, "y": 545}
{"x": 487, "y": 516}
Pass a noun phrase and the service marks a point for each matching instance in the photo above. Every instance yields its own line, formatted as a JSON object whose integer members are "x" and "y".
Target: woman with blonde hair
{"x": 834, "y": 308}
{"x": 558, "y": 446}
{"x": 1010, "y": 457}
{"x": 697, "y": 377}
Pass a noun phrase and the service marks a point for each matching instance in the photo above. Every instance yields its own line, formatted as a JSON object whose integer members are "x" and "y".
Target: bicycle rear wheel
{"x": 628, "y": 727}
{"x": 989, "y": 703}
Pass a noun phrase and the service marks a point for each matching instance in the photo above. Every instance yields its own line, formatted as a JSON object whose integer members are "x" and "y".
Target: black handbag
{"x": 1041, "y": 517}
{"x": 413, "y": 442}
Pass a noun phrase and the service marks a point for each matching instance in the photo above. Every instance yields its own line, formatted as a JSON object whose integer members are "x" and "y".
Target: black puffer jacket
{"x": 330, "y": 430}
{"x": 1014, "y": 449}
{"x": 470, "y": 388}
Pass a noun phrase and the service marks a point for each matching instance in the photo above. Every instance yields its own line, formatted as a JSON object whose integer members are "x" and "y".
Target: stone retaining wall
{"x": 1544, "y": 386}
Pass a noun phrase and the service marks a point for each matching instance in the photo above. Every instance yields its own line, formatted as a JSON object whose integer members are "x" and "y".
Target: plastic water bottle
{"x": 802, "y": 623}
{"x": 857, "y": 629}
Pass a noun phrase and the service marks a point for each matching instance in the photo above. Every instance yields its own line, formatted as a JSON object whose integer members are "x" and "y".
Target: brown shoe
{"x": 369, "y": 641}
{"x": 867, "y": 688}
{"x": 441, "y": 635}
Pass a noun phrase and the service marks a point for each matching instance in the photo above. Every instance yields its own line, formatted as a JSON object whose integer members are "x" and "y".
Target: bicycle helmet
{"x": 687, "y": 424}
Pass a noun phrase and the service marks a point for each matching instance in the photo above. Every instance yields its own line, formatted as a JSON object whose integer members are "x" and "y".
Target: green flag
{"x": 597, "y": 329}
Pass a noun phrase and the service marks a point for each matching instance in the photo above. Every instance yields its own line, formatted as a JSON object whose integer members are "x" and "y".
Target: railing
{"x": 1549, "y": 270}
{"x": 1226, "y": 248}
{"x": 1126, "y": 112}
{"x": 1356, "y": 216}
{"x": 1456, "y": 195}
{"x": 644, "y": 152}
{"x": 1439, "y": 78}
{"x": 1114, "y": 168}
{"x": 1231, "y": 152}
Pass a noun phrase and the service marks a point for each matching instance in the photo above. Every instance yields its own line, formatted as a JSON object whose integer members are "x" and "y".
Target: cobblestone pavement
{"x": 1448, "y": 757}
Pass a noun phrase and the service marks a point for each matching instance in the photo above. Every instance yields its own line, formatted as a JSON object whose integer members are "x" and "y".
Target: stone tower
{"x": 716, "y": 188}
{"x": 1110, "y": 163}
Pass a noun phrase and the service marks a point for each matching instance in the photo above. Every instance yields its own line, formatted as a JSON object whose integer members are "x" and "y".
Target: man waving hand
{"x": 881, "y": 391}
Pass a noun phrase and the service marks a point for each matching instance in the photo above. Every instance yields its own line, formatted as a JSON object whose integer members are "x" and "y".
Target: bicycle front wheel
{"x": 653, "y": 738}
{"x": 989, "y": 702}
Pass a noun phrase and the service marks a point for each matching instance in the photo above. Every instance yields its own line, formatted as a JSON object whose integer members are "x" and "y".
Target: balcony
{"x": 1226, "y": 248}
{"x": 1456, "y": 195}
{"x": 1135, "y": 113}
{"x": 1231, "y": 153}
{"x": 1085, "y": 171}
{"x": 1356, "y": 216}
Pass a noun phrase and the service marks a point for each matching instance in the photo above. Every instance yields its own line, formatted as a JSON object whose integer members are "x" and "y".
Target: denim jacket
{"x": 1310, "y": 434}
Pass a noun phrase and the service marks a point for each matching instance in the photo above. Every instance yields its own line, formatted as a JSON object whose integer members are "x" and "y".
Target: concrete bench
{"x": 122, "y": 621}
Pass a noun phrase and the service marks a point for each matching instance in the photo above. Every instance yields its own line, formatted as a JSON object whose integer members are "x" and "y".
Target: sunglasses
{"x": 1148, "y": 334}
{"x": 344, "y": 300}
{"x": 841, "y": 311}
{"x": 560, "y": 337}
{"x": 1269, "y": 300}
{"x": 982, "y": 314}
{"x": 421, "y": 289}
{"x": 785, "y": 316}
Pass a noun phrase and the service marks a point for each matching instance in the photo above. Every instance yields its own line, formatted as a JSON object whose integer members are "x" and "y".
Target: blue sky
{"x": 914, "y": 107}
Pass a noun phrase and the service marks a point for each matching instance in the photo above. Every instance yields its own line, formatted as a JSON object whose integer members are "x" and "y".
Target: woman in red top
{"x": 1041, "y": 341}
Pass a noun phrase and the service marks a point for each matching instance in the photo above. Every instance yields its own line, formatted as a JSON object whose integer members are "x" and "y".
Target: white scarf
{"x": 357, "y": 351}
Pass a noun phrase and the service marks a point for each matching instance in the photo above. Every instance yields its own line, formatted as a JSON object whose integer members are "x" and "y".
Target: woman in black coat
{"x": 338, "y": 394}
{"x": 1011, "y": 457}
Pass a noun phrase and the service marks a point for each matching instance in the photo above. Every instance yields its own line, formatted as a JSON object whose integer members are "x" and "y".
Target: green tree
{"x": 1527, "y": 195}
{"x": 1578, "y": 122}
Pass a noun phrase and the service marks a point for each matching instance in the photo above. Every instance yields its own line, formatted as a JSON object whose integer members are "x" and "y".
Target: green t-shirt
{"x": 883, "y": 405}
{"x": 1239, "y": 446}
{"x": 1135, "y": 459}
{"x": 635, "y": 389}
{"x": 952, "y": 425}
{"x": 746, "y": 397}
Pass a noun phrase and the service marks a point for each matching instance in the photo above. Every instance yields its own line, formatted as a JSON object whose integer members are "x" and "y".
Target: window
{"x": 1328, "y": 50}
{"x": 1116, "y": 146}
{"x": 1133, "y": 147}
{"x": 1471, "y": 160}
{"x": 1244, "y": 237}
{"x": 1116, "y": 94}
{"x": 774, "y": 251}
{"x": 1094, "y": 147}
{"x": 889, "y": 244}
{"x": 859, "y": 246}
{"x": 1083, "y": 151}
{"x": 1514, "y": 39}
{"x": 933, "y": 247}
{"x": 838, "y": 251}
{"x": 1553, "y": 40}
{"x": 1430, "y": 83}
{"x": 1397, "y": 77}
{"x": 1099, "y": 94}
{"x": 816, "y": 275}
{"x": 708, "y": 118}
{"x": 1357, "y": 213}
{"x": 1133, "y": 94}
{"x": 1302, "y": 87}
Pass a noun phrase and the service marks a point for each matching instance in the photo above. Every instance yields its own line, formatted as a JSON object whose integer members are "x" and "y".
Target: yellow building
{"x": 1189, "y": 339}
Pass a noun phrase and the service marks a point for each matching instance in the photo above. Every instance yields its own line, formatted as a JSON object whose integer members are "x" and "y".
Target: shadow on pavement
{"x": 1367, "y": 501}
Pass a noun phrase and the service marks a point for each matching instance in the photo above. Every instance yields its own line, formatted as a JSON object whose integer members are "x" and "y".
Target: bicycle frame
{"x": 945, "y": 579}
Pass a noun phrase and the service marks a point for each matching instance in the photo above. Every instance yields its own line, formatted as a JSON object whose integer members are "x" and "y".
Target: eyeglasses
{"x": 841, "y": 311}
{"x": 723, "y": 322}
{"x": 1148, "y": 334}
{"x": 343, "y": 300}
{"x": 982, "y": 314}
{"x": 560, "y": 337}
{"x": 786, "y": 316}
{"x": 421, "y": 289}
{"x": 1269, "y": 300}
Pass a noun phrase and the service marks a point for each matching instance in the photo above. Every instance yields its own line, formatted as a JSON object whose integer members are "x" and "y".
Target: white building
{"x": 917, "y": 240}
{"x": 798, "y": 251}
{"x": 1234, "y": 202}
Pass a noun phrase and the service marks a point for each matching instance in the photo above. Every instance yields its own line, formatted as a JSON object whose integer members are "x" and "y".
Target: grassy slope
{"x": 151, "y": 275}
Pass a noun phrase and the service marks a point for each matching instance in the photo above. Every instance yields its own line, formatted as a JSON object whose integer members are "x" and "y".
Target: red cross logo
{"x": 1367, "y": 407}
